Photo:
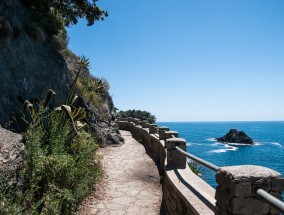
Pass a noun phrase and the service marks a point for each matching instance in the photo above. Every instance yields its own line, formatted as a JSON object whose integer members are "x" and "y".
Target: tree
{"x": 55, "y": 14}
{"x": 142, "y": 115}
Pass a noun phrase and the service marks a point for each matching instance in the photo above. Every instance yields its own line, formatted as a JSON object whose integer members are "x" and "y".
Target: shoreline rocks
{"x": 235, "y": 136}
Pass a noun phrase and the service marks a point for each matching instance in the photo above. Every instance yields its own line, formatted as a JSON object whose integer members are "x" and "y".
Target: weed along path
{"x": 131, "y": 184}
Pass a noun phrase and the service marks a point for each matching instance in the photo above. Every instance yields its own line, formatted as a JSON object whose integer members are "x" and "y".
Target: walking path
{"x": 131, "y": 183}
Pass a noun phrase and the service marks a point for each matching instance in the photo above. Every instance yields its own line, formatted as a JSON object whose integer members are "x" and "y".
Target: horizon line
{"x": 224, "y": 121}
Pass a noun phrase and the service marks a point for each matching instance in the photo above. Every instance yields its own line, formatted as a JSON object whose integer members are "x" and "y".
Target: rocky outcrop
{"x": 235, "y": 136}
{"x": 101, "y": 118}
{"x": 106, "y": 132}
{"x": 29, "y": 62}
{"x": 11, "y": 161}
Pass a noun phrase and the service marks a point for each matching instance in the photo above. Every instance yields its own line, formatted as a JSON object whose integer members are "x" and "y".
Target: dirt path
{"x": 131, "y": 183}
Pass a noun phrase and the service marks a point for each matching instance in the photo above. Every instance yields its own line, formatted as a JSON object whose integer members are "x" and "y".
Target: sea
{"x": 268, "y": 150}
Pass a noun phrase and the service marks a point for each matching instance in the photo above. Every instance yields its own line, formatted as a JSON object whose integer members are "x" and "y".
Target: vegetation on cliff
{"x": 60, "y": 164}
{"x": 54, "y": 15}
{"x": 142, "y": 115}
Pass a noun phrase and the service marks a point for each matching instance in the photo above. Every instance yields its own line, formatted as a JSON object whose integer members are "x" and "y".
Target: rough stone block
{"x": 277, "y": 195}
{"x": 273, "y": 210}
{"x": 244, "y": 172}
{"x": 170, "y": 134}
{"x": 241, "y": 181}
{"x": 130, "y": 119}
{"x": 137, "y": 121}
{"x": 241, "y": 189}
{"x": 152, "y": 128}
{"x": 223, "y": 179}
{"x": 162, "y": 131}
{"x": 173, "y": 142}
{"x": 144, "y": 123}
{"x": 277, "y": 184}
{"x": 249, "y": 206}
{"x": 223, "y": 197}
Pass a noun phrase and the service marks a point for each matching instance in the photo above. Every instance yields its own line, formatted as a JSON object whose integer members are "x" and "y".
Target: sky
{"x": 190, "y": 60}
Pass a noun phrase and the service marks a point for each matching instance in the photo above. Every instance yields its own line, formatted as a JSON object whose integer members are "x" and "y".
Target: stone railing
{"x": 186, "y": 193}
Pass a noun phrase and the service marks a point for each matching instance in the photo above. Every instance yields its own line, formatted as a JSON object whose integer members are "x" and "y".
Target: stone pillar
{"x": 144, "y": 124}
{"x": 137, "y": 121}
{"x": 130, "y": 119}
{"x": 162, "y": 130}
{"x": 169, "y": 134}
{"x": 174, "y": 157}
{"x": 152, "y": 128}
{"x": 235, "y": 193}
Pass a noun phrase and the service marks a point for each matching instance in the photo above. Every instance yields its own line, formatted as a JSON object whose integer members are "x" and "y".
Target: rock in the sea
{"x": 235, "y": 136}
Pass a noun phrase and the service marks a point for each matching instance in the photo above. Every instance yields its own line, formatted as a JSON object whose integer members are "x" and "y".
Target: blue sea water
{"x": 268, "y": 150}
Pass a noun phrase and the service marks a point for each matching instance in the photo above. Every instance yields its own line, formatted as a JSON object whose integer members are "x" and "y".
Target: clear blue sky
{"x": 190, "y": 60}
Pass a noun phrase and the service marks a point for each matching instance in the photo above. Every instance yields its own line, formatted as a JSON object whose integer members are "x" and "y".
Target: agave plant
{"x": 99, "y": 85}
{"x": 83, "y": 63}
{"x": 75, "y": 115}
{"x": 40, "y": 110}
{"x": 36, "y": 107}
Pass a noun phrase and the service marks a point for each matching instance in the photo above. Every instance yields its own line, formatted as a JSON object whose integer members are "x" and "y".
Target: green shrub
{"x": 60, "y": 165}
{"x": 9, "y": 200}
{"x": 59, "y": 172}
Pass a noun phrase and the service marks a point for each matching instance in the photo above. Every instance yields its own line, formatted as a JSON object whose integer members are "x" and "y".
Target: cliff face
{"x": 29, "y": 63}
{"x": 101, "y": 112}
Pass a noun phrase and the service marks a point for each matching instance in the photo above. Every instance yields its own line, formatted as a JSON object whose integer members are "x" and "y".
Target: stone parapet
{"x": 237, "y": 185}
{"x": 145, "y": 124}
{"x": 180, "y": 185}
{"x": 153, "y": 128}
{"x": 186, "y": 193}
{"x": 174, "y": 157}
{"x": 162, "y": 131}
{"x": 171, "y": 134}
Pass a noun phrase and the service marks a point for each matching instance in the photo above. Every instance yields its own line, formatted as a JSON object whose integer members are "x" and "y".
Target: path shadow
{"x": 193, "y": 190}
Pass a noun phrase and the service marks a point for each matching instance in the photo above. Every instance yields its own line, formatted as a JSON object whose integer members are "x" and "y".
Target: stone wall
{"x": 183, "y": 191}
{"x": 186, "y": 193}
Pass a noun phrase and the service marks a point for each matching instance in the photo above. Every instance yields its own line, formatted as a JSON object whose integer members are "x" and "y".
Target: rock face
{"x": 106, "y": 132}
{"x": 29, "y": 63}
{"x": 235, "y": 136}
{"x": 11, "y": 153}
{"x": 101, "y": 119}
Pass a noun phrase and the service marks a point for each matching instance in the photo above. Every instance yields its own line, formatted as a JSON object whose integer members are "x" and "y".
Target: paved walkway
{"x": 131, "y": 183}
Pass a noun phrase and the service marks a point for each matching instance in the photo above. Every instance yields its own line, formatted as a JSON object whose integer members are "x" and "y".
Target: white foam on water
{"x": 230, "y": 148}
{"x": 219, "y": 151}
{"x": 216, "y": 144}
{"x": 239, "y": 144}
{"x": 211, "y": 139}
{"x": 276, "y": 144}
{"x": 257, "y": 144}
{"x": 197, "y": 144}
{"x": 273, "y": 143}
{"x": 188, "y": 144}
{"x": 233, "y": 148}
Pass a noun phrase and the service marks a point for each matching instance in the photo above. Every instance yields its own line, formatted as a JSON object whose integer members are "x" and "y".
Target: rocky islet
{"x": 235, "y": 136}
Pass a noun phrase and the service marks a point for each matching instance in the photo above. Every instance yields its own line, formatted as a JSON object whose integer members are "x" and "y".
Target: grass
{"x": 194, "y": 167}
